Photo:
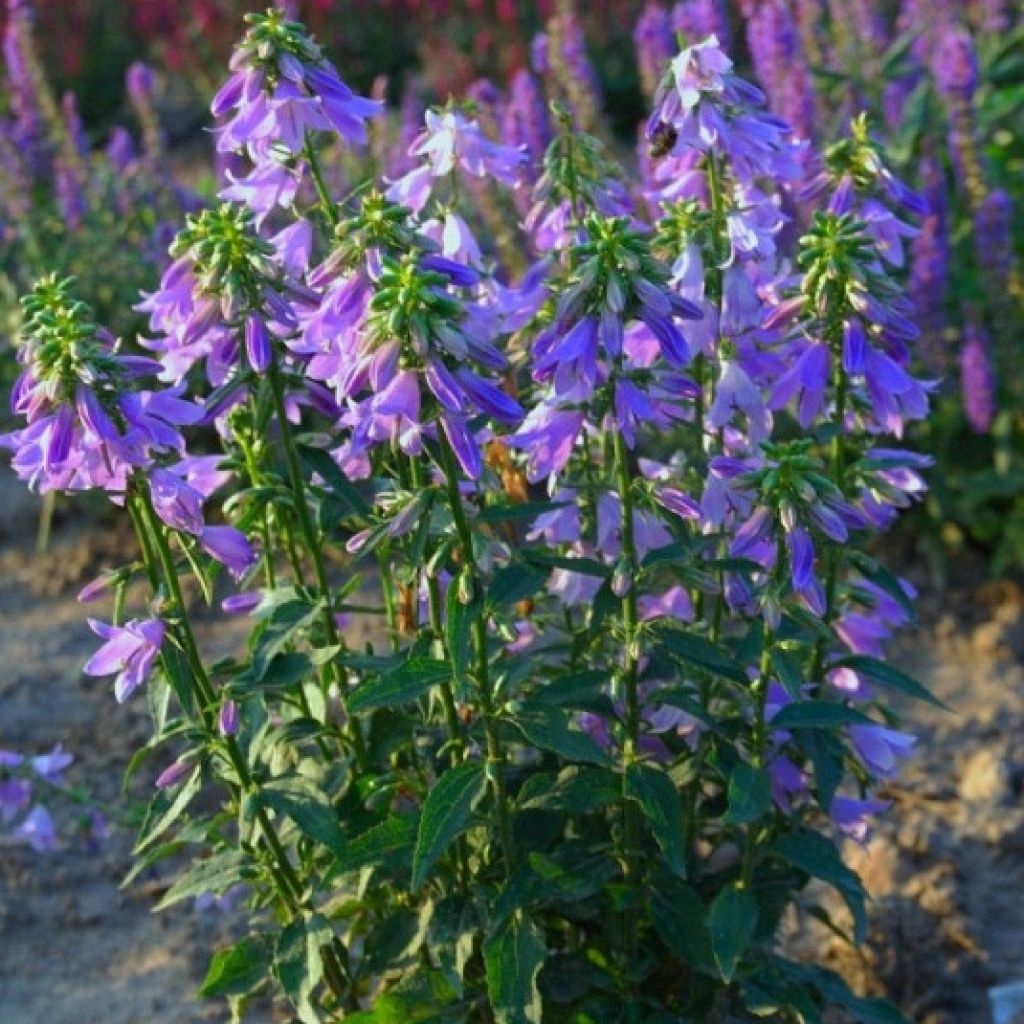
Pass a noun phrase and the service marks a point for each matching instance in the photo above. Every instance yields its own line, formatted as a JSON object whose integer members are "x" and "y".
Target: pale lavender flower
{"x": 129, "y": 653}
{"x": 38, "y": 830}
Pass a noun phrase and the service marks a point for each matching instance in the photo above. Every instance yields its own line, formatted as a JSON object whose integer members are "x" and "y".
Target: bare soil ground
{"x": 946, "y": 869}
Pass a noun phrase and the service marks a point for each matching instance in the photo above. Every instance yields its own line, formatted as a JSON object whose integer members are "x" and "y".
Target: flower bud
{"x": 227, "y": 720}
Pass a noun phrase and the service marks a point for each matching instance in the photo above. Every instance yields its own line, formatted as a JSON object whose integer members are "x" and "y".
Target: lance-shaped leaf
{"x": 659, "y": 799}
{"x": 402, "y": 685}
{"x": 446, "y": 814}
{"x": 513, "y": 959}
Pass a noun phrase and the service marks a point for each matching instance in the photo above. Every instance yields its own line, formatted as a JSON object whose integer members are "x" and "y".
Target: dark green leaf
{"x": 459, "y": 630}
{"x": 817, "y": 856}
{"x": 888, "y": 676}
{"x": 165, "y": 809}
{"x": 679, "y": 919}
{"x": 818, "y": 714}
{"x": 514, "y": 583}
{"x": 578, "y": 689}
{"x": 446, "y": 814}
{"x": 731, "y": 923}
{"x": 584, "y": 566}
{"x": 518, "y": 511}
{"x": 513, "y": 959}
{"x": 402, "y": 685}
{"x": 549, "y": 728}
{"x": 215, "y": 875}
{"x": 390, "y": 840}
{"x": 299, "y": 962}
{"x": 236, "y": 969}
{"x": 750, "y": 794}
{"x": 282, "y": 672}
{"x": 696, "y": 650}
{"x": 659, "y": 799}
{"x": 320, "y": 462}
{"x": 788, "y": 669}
{"x": 308, "y": 808}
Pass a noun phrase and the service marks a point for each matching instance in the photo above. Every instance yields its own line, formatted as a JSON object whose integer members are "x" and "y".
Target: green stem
{"x": 331, "y": 669}
{"x": 630, "y": 622}
{"x": 327, "y": 206}
{"x": 154, "y": 543}
{"x": 495, "y": 752}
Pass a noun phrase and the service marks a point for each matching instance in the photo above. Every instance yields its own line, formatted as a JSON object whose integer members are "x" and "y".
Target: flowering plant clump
{"x": 602, "y": 521}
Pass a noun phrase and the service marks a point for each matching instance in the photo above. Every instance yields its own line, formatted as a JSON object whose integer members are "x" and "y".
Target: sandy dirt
{"x": 946, "y": 869}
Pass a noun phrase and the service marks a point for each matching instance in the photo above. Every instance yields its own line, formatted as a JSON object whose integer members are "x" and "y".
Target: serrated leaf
{"x": 514, "y": 583}
{"x": 817, "y": 856}
{"x": 583, "y": 566}
{"x": 281, "y": 672}
{"x": 818, "y": 714}
{"x": 382, "y": 844}
{"x": 514, "y": 512}
{"x": 446, "y": 814}
{"x": 883, "y": 674}
{"x": 320, "y": 462}
{"x": 731, "y": 923}
{"x": 513, "y": 959}
{"x": 679, "y": 919}
{"x": 299, "y": 964}
{"x": 237, "y": 969}
{"x": 165, "y": 809}
{"x": 662, "y": 806}
{"x": 549, "y": 728}
{"x": 399, "y": 686}
{"x": 458, "y": 628}
{"x": 215, "y": 875}
{"x": 308, "y": 808}
{"x": 699, "y": 651}
{"x": 750, "y": 794}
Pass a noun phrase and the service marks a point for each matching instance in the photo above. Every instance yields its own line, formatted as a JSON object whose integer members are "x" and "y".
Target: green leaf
{"x": 584, "y": 566}
{"x": 320, "y": 462}
{"x": 165, "y": 809}
{"x": 459, "y": 630}
{"x": 446, "y": 814}
{"x": 515, "y": 583}
{"x": 299, "y": 964}
{"x": 284, "y": 622}
{"x": 402, "y": 685}
{"x": 236, "y": 969}
{"x": 679, "y": 919}
{"x": 388, "y": 841}
{"x": 506, "y": 513}
{"x": 308, "y": 808}
{"x": 817, "y": 856}
{"x": 788, "y": 669}
{"x": 731, "y": 923}
{"x": 282, "y": 672}
{"x": 549, "y": 728}
{"x": 577, "y": 689}
{"x": 215, "y": 875}
{"x": 703, "y": 653}
{"x": 818, "y": 714}
{"x": 888, "y": 676}
{"x": 659, "y": 799}
{"x": 750, "y": 794}
{"x": 513, "y": 959}
{"x": 426, "y": 997}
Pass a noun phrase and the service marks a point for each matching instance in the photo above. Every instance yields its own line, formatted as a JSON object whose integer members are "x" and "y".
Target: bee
{"x": 663, "y": 140}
